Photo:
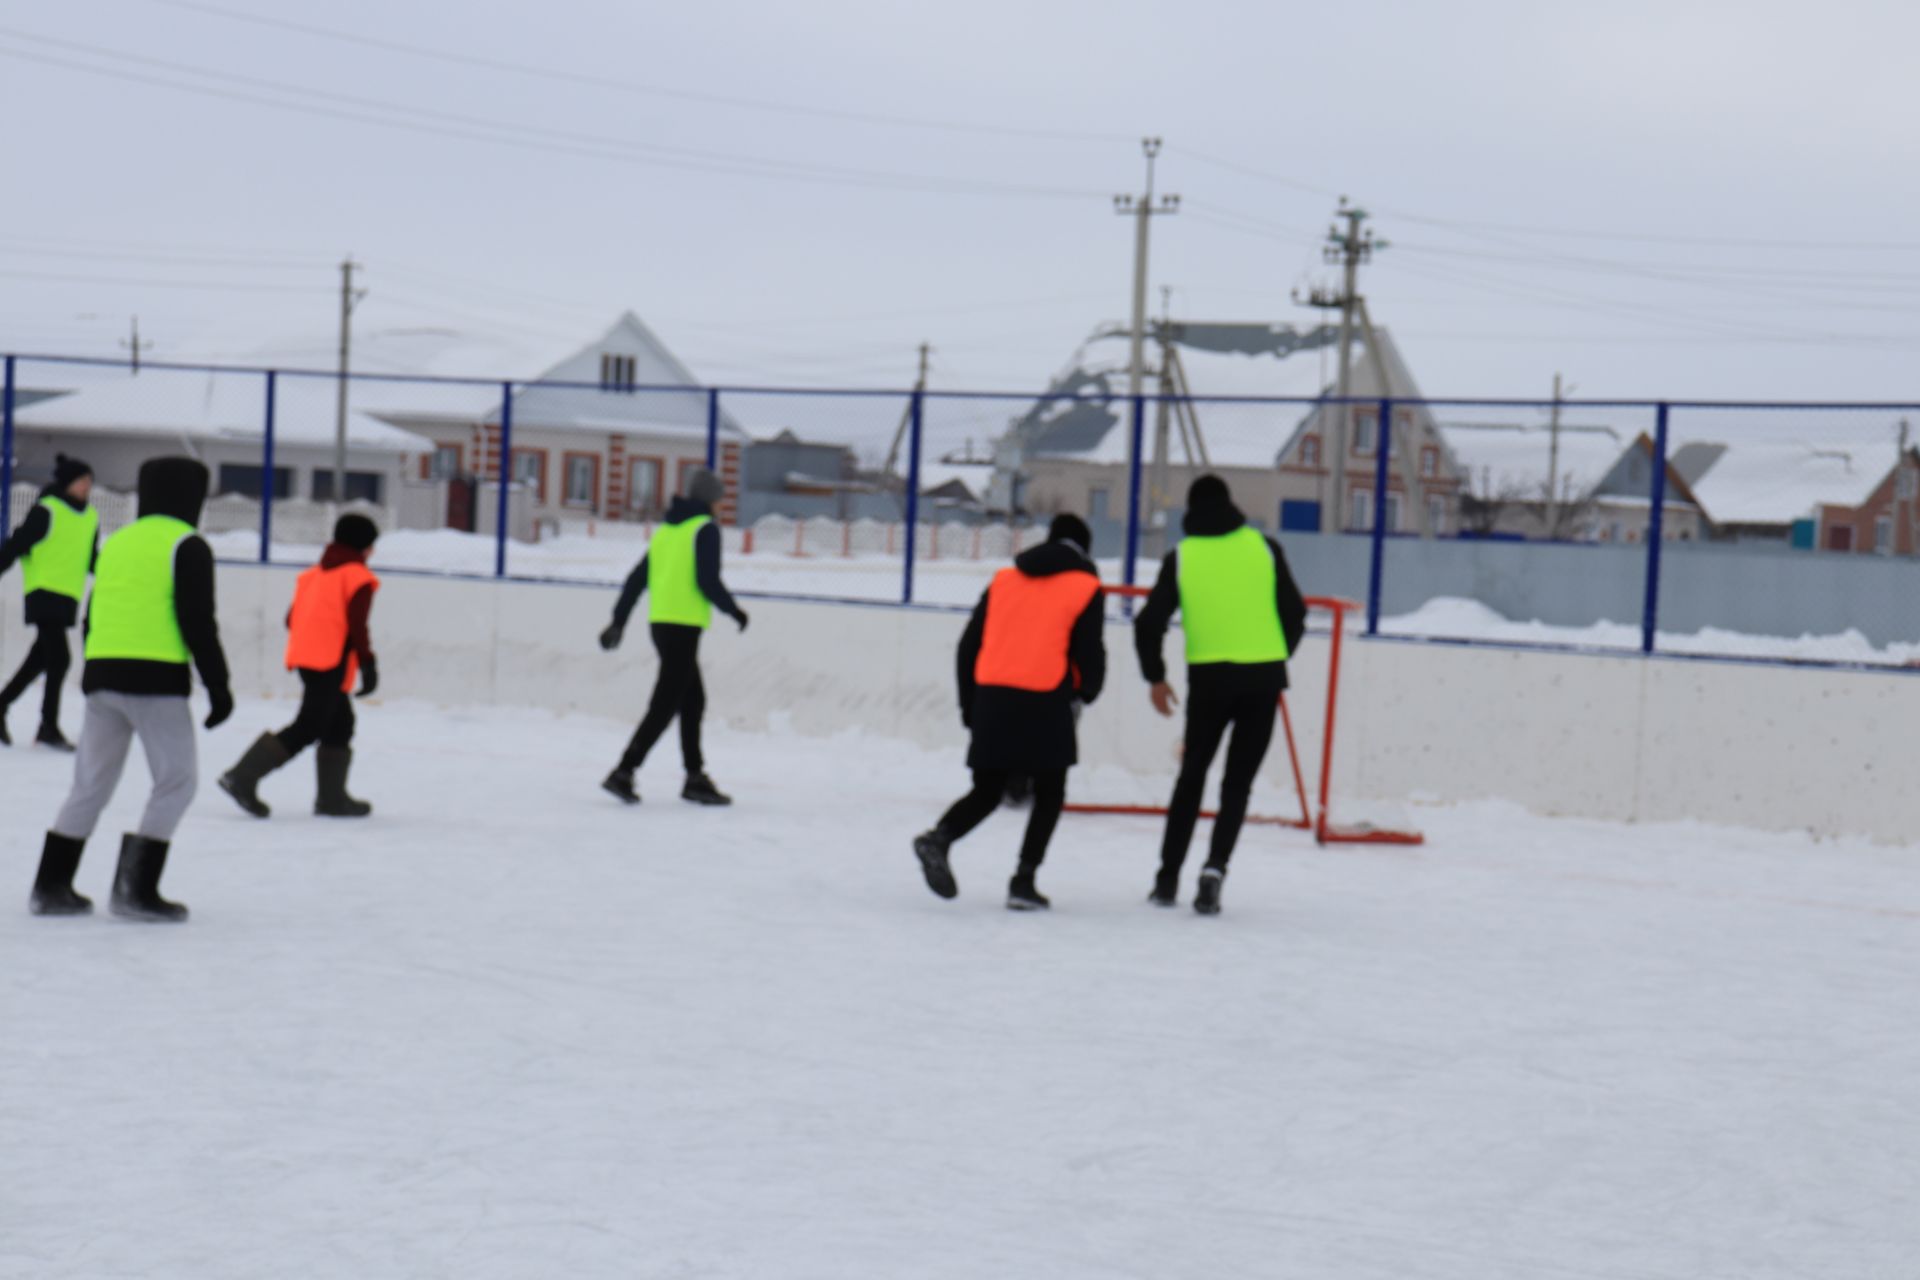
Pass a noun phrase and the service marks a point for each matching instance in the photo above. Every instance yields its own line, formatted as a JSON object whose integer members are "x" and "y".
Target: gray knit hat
{"x": 704, "y": 486}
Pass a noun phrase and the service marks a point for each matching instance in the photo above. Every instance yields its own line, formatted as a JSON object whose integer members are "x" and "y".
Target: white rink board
{"x": 1769, "y": 747}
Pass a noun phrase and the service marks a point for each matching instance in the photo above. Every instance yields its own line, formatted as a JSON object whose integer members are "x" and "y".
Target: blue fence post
{"x": 1382, "y": 447}
{"x": 266, "y": 476}
{"x": 1130, "y": 562}
{"x": 6, "y": 450}
{"x": 506, "y": 478}
{"x": 713, "y": 427}
{"x": 1656, "y": 525}
{"x": 916, "y": 412}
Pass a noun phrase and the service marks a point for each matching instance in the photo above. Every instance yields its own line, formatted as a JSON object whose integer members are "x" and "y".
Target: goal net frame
{"x": 1325, "y": 831}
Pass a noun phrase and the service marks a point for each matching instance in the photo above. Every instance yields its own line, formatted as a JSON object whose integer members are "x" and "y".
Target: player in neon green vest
{"x": 149, "y": 624}
{"x": 55, "y": 546}
{"x": 1243, "y": 617}
{"x": 681, "y": 572}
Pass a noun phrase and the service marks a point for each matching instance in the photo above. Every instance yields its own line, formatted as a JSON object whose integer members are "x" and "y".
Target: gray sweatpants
{"x": 164, "y": 725}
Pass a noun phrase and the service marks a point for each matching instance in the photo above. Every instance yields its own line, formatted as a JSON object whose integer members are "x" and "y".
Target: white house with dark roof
{"x": 1594, "y": 485}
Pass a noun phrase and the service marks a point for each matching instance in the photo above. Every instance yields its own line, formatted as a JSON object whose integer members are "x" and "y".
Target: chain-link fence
{"x": 1776, "y": 532}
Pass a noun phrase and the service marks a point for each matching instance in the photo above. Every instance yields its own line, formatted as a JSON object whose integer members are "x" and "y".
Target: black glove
{"x": 741, "y": 618}
{"x": 369, "y": 676}
{"x": 610, "y": 638}
{"x": 221, "y": 709}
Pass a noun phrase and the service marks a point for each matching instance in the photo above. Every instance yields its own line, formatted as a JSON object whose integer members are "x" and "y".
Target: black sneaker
{"x": 1207, "y": 900}
{"x": 931, "y": 848}
{"x": 700, "y": 790}
{"x": 1166, "y": 889}
{"x": 1022, "y": 896}
{"x": 50, "y": 736}
{"x": 620, "y": 783}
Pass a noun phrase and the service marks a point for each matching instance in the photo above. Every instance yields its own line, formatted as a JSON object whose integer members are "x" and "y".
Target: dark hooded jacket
{"x": 1150, "y": 627}
{"x": 44, "y": 608}
{"x": 174, "y": 487}
{"x": 706, "y": 565}
{"x": 1022, "y": 730}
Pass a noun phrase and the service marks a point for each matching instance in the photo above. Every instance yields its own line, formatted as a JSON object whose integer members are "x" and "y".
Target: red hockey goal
{"x": 1321, "y": 824}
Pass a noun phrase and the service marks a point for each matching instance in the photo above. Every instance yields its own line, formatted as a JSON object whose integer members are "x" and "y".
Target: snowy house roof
{"x": 183, "y": 405}
{"x": 1515, "y": 458}
{"x": 659, "y": 393}
{"x": 1778, "y": 483}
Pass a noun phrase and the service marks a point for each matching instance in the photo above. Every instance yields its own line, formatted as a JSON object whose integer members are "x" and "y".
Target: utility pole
{"x": 1348, "y": 248}
{"x": 349, "y": 299}
{"x": 1553, "y": 463}
{"x": 906, "y": 418}
{"x": 135, "y": 346}
{"x": 1142, "y": 208}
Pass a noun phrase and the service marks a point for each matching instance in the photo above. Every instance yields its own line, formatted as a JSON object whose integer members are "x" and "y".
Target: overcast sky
{"x": 1658, "y": 199}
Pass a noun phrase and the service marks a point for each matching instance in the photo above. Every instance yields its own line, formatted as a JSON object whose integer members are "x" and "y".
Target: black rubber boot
{"x": 50, "y": 736}
{"x": 700, "y": 790}
{"x": 931, "y": 848}
{"x": 619, "y": 783}
{"x": 331, "y": 765}
{"x": 136, "y": 886}
{"x": 53, "y": 893}
{"x": 1166, "y": 889}
{"x": 1207, "y": 900}
{"x": 1022, "y": 896}
{"x": 262, "y": 758}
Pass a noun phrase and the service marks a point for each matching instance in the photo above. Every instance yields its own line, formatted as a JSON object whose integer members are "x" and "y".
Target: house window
{"x": 444, "y": 463}
{"x": 1437, "y": 514}
{"x": 1883, "y": 535}
{"x": 618, "y": 373}
{"x": 1097, "y": 503}
{"x": 1363, "y": 434}
{"x": 680, "y": 472}
{"x": 530, "y": 469}
{"x": 245, "y": 480}
{"x": 1310, "y": 451}
{"x": 582, "y": 479}
{"x": 1393, "y": 513}
{"x": 1360, "y": 510}
{"x": 643, "y": 487}
{"x": 362, "y": 486}
{"x": 1906, "y": 484}
{"x": 1429, "y": 462}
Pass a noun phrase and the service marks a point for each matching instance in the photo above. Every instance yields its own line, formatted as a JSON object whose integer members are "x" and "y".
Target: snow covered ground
{"x": 508, "y": 1028}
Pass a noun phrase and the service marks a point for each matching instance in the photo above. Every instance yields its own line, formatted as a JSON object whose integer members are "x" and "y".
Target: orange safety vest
{"x": 317, "y": 624}
{"x": 1029, "y": 629}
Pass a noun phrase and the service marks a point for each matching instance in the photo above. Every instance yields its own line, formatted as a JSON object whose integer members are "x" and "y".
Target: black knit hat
{"x": 66, "y": 470}
{"x": 1208, "y": 491}
{"x": 1067, "y": 527}
{"x": 355, "y": 531}
{"x": 174, "y": 487}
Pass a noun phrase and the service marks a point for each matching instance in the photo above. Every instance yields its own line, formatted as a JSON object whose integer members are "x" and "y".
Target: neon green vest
{"x": 1227, "y": 605}
{"x": 59, "y": 561}
{"x": 132, "y": 611}
{"x": 671, "y": 579}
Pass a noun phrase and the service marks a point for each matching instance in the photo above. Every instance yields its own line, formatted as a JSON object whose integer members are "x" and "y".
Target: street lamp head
{"x": 1151, "y": 146}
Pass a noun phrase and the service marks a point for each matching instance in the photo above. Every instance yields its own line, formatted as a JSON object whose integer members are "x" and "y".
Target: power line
{"x": 562, "y": 75}
{"x": 54, "y": 277}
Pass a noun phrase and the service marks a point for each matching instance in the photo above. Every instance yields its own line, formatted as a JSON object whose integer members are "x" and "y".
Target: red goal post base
{"x": 1324, "y": 830}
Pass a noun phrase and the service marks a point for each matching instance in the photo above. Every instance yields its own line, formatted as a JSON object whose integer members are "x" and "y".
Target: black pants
{"x": 989, "y": 787}
{"x": 1220, "y": 697}
{"x": 326, "y": 713}
{"x": 48, "y": 657}
{"x": 677, "y": 692}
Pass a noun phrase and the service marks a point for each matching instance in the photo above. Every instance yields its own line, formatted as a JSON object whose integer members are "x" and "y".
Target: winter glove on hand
{"x": 369, "y": 676}
{"x": 222, "y": 707}
{"x": 610, "y": 638}
{"x": 741, "y": 618}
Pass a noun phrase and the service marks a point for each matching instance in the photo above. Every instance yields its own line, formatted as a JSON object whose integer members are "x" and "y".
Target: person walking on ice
{"x": 55, "y": 545}
{"x": 681, "y": 571}
{"x": 1243, "y": 616}
{"x": 328, "y": 644}
{"x": 150, "y": 622}
{"x": 1031, "y": 656}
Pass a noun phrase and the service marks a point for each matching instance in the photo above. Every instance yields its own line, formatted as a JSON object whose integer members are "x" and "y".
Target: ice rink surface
{"x": 507, "y": 1028}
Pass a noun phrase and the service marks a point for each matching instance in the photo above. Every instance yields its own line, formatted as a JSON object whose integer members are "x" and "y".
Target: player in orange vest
{"x": 327, "y": 643}
{"x": 1031, "y": 656}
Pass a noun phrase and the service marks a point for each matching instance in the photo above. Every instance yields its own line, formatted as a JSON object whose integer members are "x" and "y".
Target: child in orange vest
{"x": 1031, "y": 655}
{"x": 328, "y": 644}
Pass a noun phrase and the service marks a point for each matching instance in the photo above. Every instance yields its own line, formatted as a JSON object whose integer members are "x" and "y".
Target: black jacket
{"x": 706, "y": 565}
{"x": 174, "y": 487}
{"x": 1019, "y": 729}
{"x": 1150, "y": 627}
{"x": 44, "y": 608}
